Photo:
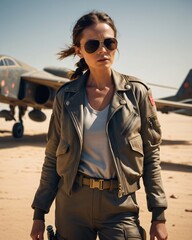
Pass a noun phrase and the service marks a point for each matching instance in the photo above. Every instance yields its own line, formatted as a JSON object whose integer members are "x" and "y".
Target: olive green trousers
{"x": 90, "y": 213}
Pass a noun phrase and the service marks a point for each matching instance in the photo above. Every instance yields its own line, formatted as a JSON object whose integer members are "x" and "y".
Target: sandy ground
{"x": 21, "y": 161}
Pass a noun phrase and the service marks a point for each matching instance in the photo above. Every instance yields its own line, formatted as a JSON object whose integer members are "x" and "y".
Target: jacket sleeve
{"x": 49, "y": 180}
{"x": 151, "y": 135}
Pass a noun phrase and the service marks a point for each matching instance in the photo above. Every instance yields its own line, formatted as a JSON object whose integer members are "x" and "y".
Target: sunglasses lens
{"x": 110, "y": 43}
{"x": 91, "y": 46}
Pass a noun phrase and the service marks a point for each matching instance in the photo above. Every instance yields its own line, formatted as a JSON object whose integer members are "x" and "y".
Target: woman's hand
{"x": 158, "y": 231}
{"x": 38, "y": 230}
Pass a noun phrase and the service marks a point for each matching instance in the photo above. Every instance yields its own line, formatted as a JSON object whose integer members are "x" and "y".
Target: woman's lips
{"x": 103, "y": 59}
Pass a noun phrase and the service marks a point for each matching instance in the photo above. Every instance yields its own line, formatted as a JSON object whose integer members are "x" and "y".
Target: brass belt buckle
{"x": 96, "y": 184}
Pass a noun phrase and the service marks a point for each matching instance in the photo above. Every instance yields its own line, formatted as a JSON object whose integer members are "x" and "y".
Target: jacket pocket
{"x": 136, "y": 144}
{"x": 131, "y": 159}
{"x": 62, "y": 148}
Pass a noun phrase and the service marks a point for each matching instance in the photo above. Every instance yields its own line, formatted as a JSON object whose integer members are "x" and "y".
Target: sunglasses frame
{"x": 98, "y": 44}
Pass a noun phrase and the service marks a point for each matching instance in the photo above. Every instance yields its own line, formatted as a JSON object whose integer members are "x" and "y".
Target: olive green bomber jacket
{"x": 134, "y": 136}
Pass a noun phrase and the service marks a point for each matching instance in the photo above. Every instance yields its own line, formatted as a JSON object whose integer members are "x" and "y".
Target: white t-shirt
{"x": 96, "y": 159}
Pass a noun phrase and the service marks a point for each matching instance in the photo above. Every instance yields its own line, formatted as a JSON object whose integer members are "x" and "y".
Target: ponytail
{"x": 81, "y": 67}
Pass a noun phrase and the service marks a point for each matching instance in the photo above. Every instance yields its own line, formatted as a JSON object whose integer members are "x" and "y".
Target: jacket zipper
{"x": 80, "y": 140}
{"x": 152, "y": 124}
{"x": 120, "y": 190}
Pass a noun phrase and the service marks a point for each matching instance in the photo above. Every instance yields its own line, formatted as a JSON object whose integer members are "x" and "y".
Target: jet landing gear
{"x": 18, "y": 128}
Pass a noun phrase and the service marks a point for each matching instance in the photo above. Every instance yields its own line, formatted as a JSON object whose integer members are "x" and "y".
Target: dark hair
{"x": 85, "y": 21}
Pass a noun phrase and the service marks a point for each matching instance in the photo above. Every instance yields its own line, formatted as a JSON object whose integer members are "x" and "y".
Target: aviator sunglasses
{"x": 92, "y": 45}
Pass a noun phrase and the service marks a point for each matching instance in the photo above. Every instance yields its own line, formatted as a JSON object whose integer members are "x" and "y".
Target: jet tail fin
{"x": 185, "y": 91}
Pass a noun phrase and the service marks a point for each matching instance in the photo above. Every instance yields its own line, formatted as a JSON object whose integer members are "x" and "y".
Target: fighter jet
{"x": 24, "y": 86}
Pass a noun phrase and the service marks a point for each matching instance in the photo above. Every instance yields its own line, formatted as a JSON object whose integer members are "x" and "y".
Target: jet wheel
{"x": 18, "y": 130}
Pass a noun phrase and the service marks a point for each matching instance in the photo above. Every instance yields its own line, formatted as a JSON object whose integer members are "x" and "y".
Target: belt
{"x": 100, "y": 184}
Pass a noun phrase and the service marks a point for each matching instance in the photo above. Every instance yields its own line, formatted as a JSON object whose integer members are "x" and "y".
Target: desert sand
{"x": 20, "y": 167}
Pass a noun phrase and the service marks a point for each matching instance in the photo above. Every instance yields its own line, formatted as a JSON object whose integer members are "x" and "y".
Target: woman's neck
{"x": 100, "y": 79}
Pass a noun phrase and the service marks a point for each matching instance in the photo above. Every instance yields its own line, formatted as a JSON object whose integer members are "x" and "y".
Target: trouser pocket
{"x": 134, "y": 233}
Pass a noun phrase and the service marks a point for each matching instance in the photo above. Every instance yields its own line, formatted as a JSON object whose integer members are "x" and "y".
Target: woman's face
{"x": 102, "y": 58}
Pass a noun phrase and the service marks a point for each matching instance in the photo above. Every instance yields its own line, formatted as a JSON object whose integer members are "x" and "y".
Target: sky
{"x": 154, "y": 36}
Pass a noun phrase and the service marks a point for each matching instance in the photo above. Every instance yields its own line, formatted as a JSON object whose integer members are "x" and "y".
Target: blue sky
{"x": 155, "y": 36}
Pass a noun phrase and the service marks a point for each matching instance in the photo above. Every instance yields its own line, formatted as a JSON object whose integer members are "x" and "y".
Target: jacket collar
{"x": 121, "y": 84}
{"x": 74, "y": 86}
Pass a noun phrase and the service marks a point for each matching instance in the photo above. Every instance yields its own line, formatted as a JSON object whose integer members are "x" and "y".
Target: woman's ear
{"x": 78, "y": 51}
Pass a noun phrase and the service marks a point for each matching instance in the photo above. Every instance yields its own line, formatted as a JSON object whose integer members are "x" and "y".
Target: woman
{"x": 103, "y": 137}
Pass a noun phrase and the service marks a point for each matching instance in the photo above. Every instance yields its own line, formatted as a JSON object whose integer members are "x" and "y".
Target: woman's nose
{"x": 102, "y": 47}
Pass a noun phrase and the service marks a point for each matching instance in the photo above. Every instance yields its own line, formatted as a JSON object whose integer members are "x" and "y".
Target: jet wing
{"x": 166, "y": 106}
{"x": 44, "y": 78}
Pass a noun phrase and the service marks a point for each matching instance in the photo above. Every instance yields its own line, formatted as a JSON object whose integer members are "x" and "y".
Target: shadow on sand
{"x": 176, "y": 167}
{"x": 38, "y": 140}
{"x": 175, "y": 142}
